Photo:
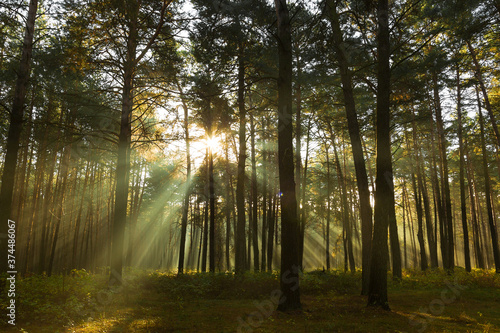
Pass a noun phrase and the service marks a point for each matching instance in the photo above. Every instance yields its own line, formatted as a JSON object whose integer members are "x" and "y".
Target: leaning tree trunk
{"x": 479, "y": 77}
{"x": 290, "y": 231}
{"x": 377, "y": 292}
{"x": 14, "y": 134}
{"x": 356, "y": 146}
{"x": 487, "y": 190}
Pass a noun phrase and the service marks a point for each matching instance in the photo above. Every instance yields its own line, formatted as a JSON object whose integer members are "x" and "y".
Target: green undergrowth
{"x": 82, "y": 302}
{"x": 249, "y": 285}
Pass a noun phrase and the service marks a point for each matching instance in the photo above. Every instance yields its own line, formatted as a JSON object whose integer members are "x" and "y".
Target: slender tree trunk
{"x": 438, "y": 204}
{"x": 431, "y": 235}
{"x": 479, "y": 77}
{"x": 403, "y": 205}
{"x": 228, "y": 208}
{"x": 397, "y": 273}
{"x": 211, "y": 190}
{"x": 422, "y": 189}
{"x": 298, "y": 157}
{"x": 290, "y": 231}
{"x": 123, "y": 161}
{"x": 475, "y": 225}
{"x": 264, "y": 207}
{"x": 59, "y": 213}
{"x": 377, "y": 293}
{"x": 356, "y": 145}
{"x": 303, "y": 215}
{"x": 487, "y": 190}
{"x": 448, "y": 255}
{"x": 328, "y": 208}
{"x": 420, "y": 233}
{"x": 463, "y": 206}
{"x": 205, "y": 237}
{"x": 185, "y": 210}
{"x": 240, "y": 182}
{"x": 78, "y": 221}
{"x": 255, "y": 234}
{"x": 13, "y": 137}
{"x": 270, "y": 240}
{"x": 345, "y": 209}
{"x": 417, "y": 190}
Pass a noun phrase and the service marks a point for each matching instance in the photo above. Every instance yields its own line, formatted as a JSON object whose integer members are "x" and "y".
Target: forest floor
{"x": 162, "y": 302}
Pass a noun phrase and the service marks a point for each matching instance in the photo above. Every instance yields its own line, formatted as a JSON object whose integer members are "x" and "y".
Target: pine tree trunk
{"x": 328, "y": 208}
{"x": 123, "y": 160}
{"x": 185, "y": 210}
{"x": 205, "y": 237}
{"x": 229, "y": 203}
{"x": 255, "y": 235}
{"x": 487, "y": 190}
{"x": 420, "y": 233}
{"x": 448, "y": 255}
{"x": 303, "y": 215}
{"x": 13, "y": 137}
{"x": 475, "y": 225}
{"x": 403, "y": 205}
{"x": 59, "y": 213}
{"x": 263, "y": 263}
{"x": 438, "y": 205}
{"x": 463, "y": 206}
{"x": 479, "y": 77}
{"x": 270, "y": 240}
{"x": 345, "y": 209}
{"x": 240, "y": 241}
{"x": 290, "y": 230}
{"x": 211, "y": 190}
{"x": 377, "y": 293}
{"x": 298, "y": 157}
{"x": 357, "y": 149}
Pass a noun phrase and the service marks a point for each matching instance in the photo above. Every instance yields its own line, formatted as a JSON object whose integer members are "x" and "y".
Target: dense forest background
{"x": 152, "y": 126}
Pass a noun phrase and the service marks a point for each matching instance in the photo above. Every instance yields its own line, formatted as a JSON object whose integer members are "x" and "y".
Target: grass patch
{"x": 432, "y": 301}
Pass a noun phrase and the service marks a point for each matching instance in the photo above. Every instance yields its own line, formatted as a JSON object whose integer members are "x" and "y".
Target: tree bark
{"x": 479, "y": 77}
{"x": 211, "y": 191}
{"x": 356, "y": 146}
{"x": 123, "y": 161}
{"x": 463, "y": 194}
{"x": 13, "y": 136}
{"x": 420, "y": 233}
{"x": 328, "y": 208}
{"x": 487, "y": 190}
{"x": 240, "y": 181}
{"x": 255, "y": 234}
{"x": 290, "y": 231}
{"x": 377, "y": 293}
{"x": 185, "y": 208}
{"x": 448, "y": 255}
{"x": 475, "y": 225}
